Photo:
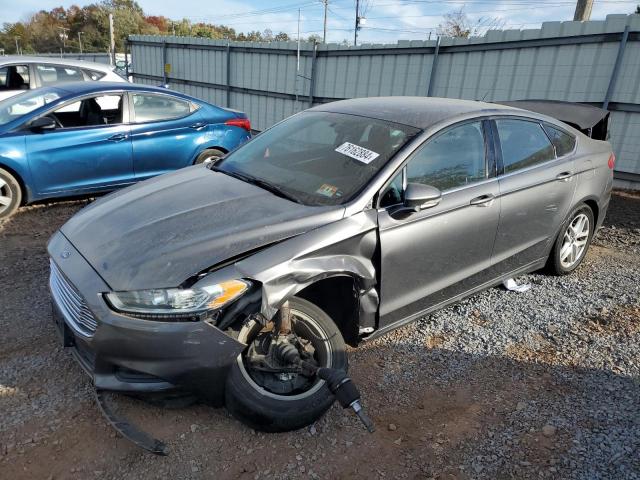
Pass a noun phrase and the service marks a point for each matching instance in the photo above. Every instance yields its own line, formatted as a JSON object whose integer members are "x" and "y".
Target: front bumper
{"x": 128, "y": 354}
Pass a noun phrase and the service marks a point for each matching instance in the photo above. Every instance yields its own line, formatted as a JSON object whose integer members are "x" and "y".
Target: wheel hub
{"x": 575, "y": 241}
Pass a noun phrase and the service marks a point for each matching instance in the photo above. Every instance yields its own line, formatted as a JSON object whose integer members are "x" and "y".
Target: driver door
{"x": 90, "y": 150}
{"x": 439, "y": 252}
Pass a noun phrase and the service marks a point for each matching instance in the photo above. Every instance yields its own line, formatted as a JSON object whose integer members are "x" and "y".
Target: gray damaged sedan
{"x": 243, "y": 279}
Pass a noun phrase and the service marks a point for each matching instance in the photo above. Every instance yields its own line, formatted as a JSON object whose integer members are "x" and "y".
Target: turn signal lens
{"x": 225, "y": 292}
{"x": 612, "y": 161}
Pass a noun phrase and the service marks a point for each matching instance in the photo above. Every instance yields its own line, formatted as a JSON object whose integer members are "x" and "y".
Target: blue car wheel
{"x": 209, "y": 155}
{"x": 10, "y": 194}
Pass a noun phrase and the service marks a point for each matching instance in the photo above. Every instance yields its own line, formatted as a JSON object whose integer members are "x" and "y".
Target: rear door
{"x": 536, "y": 188}
{"x": 166, "y": 133}
{"x": 439, "y": 252}
{"x": 89, "y": 151}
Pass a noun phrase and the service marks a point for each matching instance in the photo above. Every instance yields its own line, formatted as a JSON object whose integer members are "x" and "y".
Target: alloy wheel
{"x": 6, "y": 195}
{"x": 574, "y": 242}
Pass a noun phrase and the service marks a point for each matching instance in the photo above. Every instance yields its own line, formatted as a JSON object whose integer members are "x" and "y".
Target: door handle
{"x": 198, "y": 126}
{"x": 483, "y": 200}
{"x": 118, "y": 137}
{"x": 564, "y": 176}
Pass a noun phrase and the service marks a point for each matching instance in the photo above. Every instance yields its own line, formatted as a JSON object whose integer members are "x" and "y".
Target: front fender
{"x": 346, "y": 247}
{"x": 13, "y": 157}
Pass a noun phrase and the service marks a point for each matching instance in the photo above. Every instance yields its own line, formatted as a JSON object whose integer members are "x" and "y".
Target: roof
{"x": 83, "y": 88}
{"x": 57, "y": 61}
{"x": 419, "y": 112}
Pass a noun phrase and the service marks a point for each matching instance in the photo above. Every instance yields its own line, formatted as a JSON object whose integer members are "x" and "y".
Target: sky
{"x": 386, "y": 20}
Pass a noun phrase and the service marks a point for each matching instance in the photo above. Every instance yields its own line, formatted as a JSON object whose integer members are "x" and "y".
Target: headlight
{"x": 188, "y": 303}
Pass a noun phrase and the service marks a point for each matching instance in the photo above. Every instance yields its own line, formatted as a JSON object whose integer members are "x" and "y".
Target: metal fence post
{"x": 312, "y": 80}
{"x": 126, "y": 57}
{"x": 616, "y": 68}
{"x": 164, "y": 63}
{"x": 228, "y": 80}
{"x": 434, "y": 68}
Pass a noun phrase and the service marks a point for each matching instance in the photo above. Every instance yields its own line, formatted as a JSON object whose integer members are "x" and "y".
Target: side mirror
{"x": 43, "y": 123}
{"x": 418, "y": 196}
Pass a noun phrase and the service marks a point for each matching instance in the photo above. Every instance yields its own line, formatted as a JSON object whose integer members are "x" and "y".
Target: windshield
{"x": 318, "y": 158}
{"x": 18, "y": 105}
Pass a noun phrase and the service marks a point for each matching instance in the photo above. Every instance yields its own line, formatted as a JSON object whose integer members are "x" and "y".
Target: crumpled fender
{"x": 345, "y": 247}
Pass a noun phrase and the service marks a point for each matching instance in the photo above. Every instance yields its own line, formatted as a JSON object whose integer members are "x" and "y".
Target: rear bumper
{"x": 132, "y": 355}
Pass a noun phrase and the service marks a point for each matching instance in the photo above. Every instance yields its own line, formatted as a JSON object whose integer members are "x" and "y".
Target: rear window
{"x": 52, "y": 74}
{"x": 523, "y": 144}
{"x": 563, "y": 142}
{"x": 157, "y": 108}
{"x": 93, "y": 74}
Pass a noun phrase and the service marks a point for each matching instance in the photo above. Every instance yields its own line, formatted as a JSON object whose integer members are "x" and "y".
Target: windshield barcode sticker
{"x": 361, "y": 154}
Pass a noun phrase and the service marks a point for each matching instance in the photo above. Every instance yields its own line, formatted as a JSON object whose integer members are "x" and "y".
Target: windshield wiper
{"x": 276, "y": 190}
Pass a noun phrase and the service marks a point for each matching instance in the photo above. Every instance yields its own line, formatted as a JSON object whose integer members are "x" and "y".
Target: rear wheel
{"x": 573, "y": 241}
{"x": 209, "y": 155}
{"x": 269, "y": 395}
{"x": 10, "y": 194}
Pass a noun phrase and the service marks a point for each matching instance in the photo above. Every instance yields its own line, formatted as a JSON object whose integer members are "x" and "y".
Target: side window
{"x": 52, "y": 74}
{"x": 94, "y": 75}
{"x": 14, "y": 77}
{"x": 523, "y": 144}
{"x": 90, "y": 112}
{"x": 155, "y": 108}
{"x": 563, "y": 142}
{"x": 451, "y": 159}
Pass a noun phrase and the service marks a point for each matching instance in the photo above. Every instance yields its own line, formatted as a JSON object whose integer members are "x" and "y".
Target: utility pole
{"x": 80, "y": 40}
{"x": 112, "y": 42}
{"x": 355, "y": 30}
{"x": 63, "y": 37}
{"x": 324, "y": 31}
{"x": 17, "y": 45}
{"x": 298, "y": 53}
{"x": 583, "y": 10}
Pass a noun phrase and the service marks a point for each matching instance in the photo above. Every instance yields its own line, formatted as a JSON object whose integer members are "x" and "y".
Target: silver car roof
{"x": 419, "y": 112}
{"x": 11, "y": 59}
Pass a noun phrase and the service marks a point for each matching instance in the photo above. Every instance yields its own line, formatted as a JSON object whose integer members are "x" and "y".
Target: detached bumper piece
{"x": 126, "y": 428}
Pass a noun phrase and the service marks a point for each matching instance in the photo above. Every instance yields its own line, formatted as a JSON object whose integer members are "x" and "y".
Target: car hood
{"x": 160, "y": 232}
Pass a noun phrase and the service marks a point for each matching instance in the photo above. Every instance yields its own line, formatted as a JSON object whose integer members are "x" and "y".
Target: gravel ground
{"x": 541, "y": 384}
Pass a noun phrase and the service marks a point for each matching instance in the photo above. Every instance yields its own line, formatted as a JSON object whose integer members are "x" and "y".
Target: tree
{"x": 41, "y": 33}
{"x": 638, "y": 10}
{"x": 457, "y": 24}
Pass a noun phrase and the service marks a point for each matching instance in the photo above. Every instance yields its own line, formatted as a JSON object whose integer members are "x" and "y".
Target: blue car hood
{"x": 160, "y": 232}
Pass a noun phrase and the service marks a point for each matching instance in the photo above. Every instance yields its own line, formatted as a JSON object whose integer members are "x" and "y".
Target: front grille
{"x": 71, "y": 303}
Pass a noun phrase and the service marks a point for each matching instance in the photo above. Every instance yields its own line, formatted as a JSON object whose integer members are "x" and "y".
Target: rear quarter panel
{"x": 595, "y": 178}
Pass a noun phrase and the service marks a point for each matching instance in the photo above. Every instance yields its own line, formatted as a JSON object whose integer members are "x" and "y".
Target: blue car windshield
{"x": 21, "y": 104}
{"x": 318, "y": 158}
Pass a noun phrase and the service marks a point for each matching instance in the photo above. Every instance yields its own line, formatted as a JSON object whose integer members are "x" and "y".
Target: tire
{"x": 265, "y": 411}
{"x": 564, "y": 258}
{"x": 209, "y": 155}
{"x": 10, "y": 194}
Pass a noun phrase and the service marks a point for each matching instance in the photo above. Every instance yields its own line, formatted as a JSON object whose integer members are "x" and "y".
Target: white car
{"x": 20, "y": 73}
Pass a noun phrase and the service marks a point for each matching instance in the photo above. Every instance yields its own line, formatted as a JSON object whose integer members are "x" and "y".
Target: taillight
{"x": 240, "y": 122}
{"x": 612, "y": 161}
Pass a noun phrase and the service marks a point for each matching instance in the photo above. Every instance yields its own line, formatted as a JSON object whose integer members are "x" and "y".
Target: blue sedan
{"x": 84, "y": 138}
